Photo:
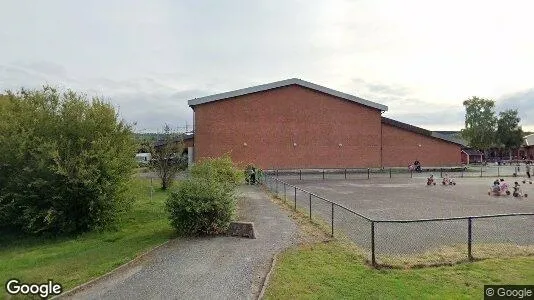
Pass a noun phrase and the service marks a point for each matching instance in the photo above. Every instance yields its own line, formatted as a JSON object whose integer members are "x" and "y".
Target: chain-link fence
{"x": 490, "y": 170}
{"x": 414, "y": 242}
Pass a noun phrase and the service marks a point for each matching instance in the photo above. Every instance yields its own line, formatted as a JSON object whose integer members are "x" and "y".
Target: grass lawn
{"x": 75, "y": 260}
{"x": 334, "y": 270}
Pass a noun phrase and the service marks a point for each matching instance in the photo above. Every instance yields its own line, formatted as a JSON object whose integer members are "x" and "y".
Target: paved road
{"x": 206, "y": 268}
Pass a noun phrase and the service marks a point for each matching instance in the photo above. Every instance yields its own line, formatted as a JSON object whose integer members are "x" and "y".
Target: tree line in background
{"x": 484, "y": 129}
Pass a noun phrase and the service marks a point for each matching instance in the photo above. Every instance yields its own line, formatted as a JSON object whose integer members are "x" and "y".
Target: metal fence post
{"x": 368, "y": 173}
{"x": 373, "y": 258}
{"x": 310, "y": 208}
{"x": 285, "y": 194}
{"x": 389, "y": 172}
{"x": 295, "y": 198}
{"x": 332, "y": 219}
{"x": 469, "y": 238}
{"x": 151, "y": 189}
{"x": 498, "y": 171}
{"x": 411, "y": 173}
{"x": 462, "y": 173}
{"x": 323, "y": 174}
{"x": 276, "y": 173}
{"x": 481, "y": 171}
{"x": 345, "y": 173}
{"x": 441, "y": 172}
{"x": 300, "y": 174}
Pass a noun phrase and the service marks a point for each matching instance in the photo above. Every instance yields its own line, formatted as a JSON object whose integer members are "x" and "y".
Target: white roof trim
{"x": 283, "y": 83}
{"x": 529, "y": 140}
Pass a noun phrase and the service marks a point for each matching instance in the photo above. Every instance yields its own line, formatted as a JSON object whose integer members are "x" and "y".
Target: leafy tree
{"x": 221, "y": 170}
{"x": 167, "y": 157}
{"x": 65, "y": 162}
{"x": 480, "y": 123}
{"x": 509, "y": 132}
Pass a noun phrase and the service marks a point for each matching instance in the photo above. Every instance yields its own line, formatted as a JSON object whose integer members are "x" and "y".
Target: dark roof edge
{"x": 418, "y": 130}
{"x": 183, "y": 137}
{"x": 472, "y": 152}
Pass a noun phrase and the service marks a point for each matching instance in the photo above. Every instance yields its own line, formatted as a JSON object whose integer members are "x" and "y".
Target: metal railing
{"x": 388, "y": 242}
{"x": 368, "y": 173}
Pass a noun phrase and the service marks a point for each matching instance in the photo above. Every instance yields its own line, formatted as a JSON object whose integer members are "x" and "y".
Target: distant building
{"x": 143, "y": 158}
{"x": 470, "y": 156}
{"x": 495, "y": 153}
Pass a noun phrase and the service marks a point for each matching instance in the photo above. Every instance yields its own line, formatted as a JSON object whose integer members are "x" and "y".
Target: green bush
{"x": 199, "y": 207}
{"x": 206, "y": 202}
{"x": 65, "y": 162}
{"x": 220, "y": 170}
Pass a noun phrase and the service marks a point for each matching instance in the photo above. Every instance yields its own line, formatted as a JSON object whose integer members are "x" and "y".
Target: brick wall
{"x": 401, "y": 148}
{"x": 270, "y": 122}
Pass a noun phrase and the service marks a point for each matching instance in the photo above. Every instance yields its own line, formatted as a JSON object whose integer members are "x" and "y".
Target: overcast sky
{"x": 420, "y": 58}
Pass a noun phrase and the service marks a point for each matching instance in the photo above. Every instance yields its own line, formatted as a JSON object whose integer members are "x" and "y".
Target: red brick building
{"x": 298, "y": 124}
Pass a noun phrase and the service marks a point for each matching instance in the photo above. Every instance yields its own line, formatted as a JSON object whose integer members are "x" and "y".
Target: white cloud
{"x": 412, "y": 55}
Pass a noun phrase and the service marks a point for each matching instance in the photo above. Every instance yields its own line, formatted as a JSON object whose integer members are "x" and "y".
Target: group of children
{"x": 446, "y": 180}
{"x": 501, "y": 188}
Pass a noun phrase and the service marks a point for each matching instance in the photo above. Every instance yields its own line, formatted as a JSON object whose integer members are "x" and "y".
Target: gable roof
{"x": 284, "y": 83}
{"x": 529, "y": 140}
{"x": 453, "y": 136}
{"x": 181, "y": 137}
{"x": 419, "y": 130}
{"x": 472, "y": 152}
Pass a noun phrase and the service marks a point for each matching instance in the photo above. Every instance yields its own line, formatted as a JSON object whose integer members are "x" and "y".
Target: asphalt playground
{"x": 393, "y": 202}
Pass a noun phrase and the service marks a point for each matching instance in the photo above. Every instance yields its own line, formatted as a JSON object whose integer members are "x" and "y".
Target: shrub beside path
{"x": 206, "y": 268}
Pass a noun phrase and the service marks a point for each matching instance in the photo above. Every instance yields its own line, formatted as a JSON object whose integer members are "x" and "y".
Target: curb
{"x": 108, "y": 274}
{"x": 268, "y": 277}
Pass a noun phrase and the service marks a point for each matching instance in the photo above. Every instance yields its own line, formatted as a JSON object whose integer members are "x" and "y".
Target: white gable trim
{"x": 283, "y": 83}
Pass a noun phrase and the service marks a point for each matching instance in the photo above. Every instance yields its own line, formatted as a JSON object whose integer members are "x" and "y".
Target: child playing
{"x": 445, "y": 180}
{"x": 504, "y": 187}
{"x": 496, "y": 188}
{"x": 517, "y": 190}
{"x": 430, "y": 180}
{"x": 528, "y": 170}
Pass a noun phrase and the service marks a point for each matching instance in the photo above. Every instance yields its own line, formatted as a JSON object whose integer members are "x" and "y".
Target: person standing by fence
{"x": 528, "y": 168}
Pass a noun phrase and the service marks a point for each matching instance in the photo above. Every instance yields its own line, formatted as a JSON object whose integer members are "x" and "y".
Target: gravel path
{"x": 206, "y": 268}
